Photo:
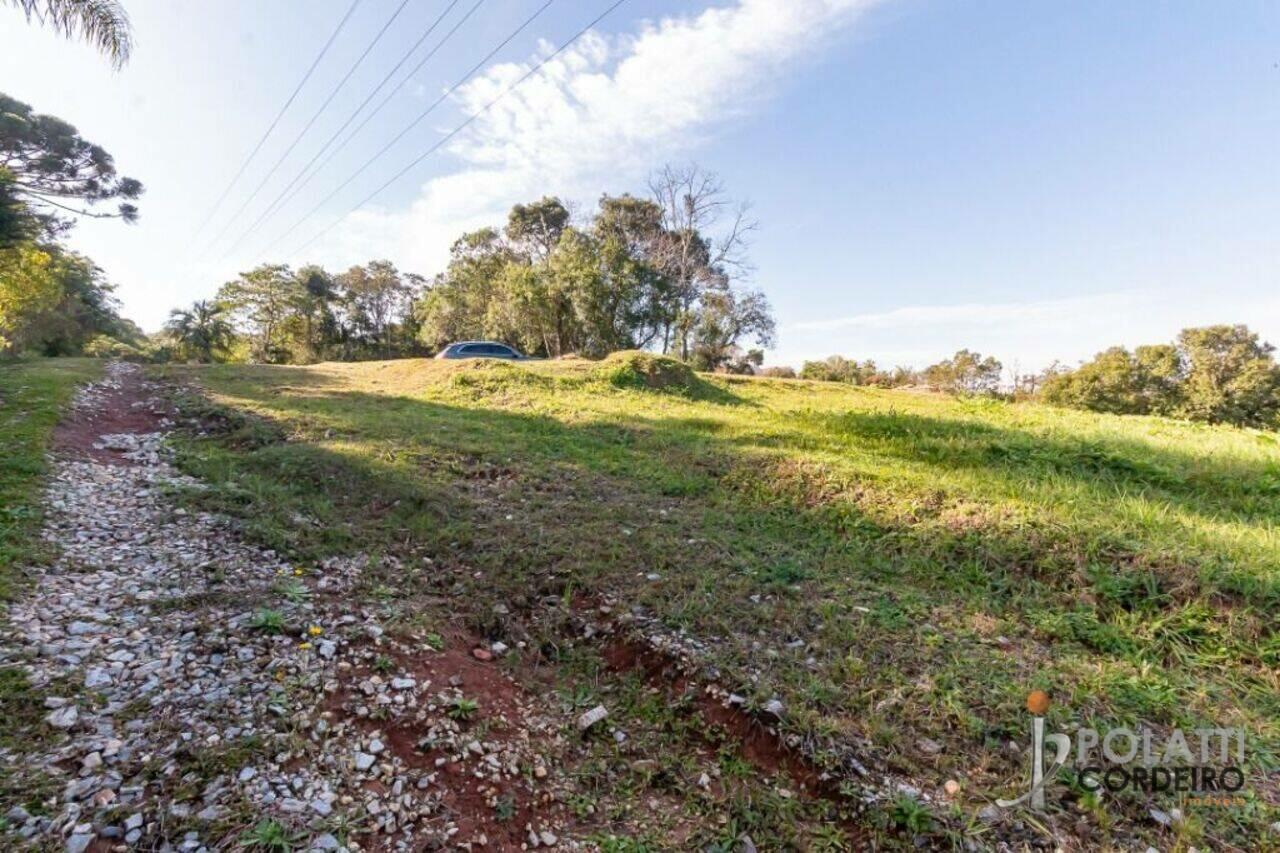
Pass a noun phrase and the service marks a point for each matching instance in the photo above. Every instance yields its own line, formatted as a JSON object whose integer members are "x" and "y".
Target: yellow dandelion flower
{"x": 297, "y": 572}
{"x": 304, "y": 645}
{"x": 315, "y": 630}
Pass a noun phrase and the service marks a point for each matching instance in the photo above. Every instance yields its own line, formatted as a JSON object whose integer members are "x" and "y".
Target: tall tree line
{"x": 279, "y": 315}
{"x": 653, "y": 273}
{"x": 640, "y": 273}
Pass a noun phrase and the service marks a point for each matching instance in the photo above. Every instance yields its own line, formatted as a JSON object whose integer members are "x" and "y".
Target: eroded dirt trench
{"x": 201, "y": 692}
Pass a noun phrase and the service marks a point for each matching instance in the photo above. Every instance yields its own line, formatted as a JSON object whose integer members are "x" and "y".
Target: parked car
{"x": 481, "y": 349}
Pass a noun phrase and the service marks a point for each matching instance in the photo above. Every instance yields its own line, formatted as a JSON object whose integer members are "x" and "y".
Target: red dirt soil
{"x": 131, "y": 408}
{"x": 465, "y": 798}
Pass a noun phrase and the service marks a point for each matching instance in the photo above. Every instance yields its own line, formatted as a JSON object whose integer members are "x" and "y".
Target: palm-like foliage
{"x": 202, "y": 329}
{"x": 102, "y": 23}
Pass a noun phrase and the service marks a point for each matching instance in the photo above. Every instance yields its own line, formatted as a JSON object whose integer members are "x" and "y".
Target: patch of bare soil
{"x": 482, "y": 724}
{"x": 116, "y": 406}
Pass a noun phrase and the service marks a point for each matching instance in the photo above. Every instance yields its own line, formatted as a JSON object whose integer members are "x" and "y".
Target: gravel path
{"x": 197, "y": 686}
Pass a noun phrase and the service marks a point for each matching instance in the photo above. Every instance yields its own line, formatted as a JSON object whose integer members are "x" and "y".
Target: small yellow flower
{"x": 304, "y": 645}
{"x": 315, "y": 630}
{"x": 297, "y": 573}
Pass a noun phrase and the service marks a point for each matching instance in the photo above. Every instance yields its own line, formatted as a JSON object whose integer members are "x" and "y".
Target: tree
{"x": 1231, "y": 377}
{"x": 316, "y": 306}
{"x": 102, "y": 23}
{"x": 634, "y": 305}
{"x": 548, "y": 287}
{"x": 726, "y": 318}
{"x": 28, "y": 286}
{"x": 1111, "y": 382}
{"x": 262, "y": 301}
{"x": 455, "y": 307}
{"x": 46, "y": 165}
{"x": 17, "y": 225}
{"x": 54, "y": 301}
{"x": 694, "y": 206}
{"x": 201, "y": 330}
{"x": 1160, "y": 370}
{"x": 375, "y": 297}
{"x": 837, "y": 368}
{"x": 534, "y": 229}
{"x": 966, "y": 372}
{"x": 1218, "y": 374}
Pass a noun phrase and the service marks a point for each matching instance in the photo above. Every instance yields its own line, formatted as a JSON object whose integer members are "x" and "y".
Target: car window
{"x": 505, "y": 352}
{"x": 471, "y": 349}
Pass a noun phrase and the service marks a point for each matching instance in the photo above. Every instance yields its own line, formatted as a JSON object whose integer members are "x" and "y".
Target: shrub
{"x": 102, "y": 346}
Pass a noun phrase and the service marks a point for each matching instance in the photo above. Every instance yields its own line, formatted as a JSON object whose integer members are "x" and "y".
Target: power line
{"x": 383, "y": 150}
{"x": 364, "y": 123}
{"x": 305, "y": 77}
{"x": 443, "y": 140}
{"x": 318, "y": 112}
{"x": 281, "y": 199}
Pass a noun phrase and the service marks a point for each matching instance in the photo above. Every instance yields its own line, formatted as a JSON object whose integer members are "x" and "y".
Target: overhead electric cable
{"x": 443, "y": 140}
{"x": 353, "y": 134}
{"x": 352, "y": 70}
{"x": 281, "y": 199}
{"x": 384, "y": 149}
{"x": 275, "y": 121}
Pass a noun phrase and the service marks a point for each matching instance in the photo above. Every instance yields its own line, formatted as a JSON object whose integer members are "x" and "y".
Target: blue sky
{"x": 1035, "y": 181}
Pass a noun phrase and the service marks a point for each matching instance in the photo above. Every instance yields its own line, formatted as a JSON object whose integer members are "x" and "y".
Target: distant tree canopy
{"x": 1216, "y": 374}
{"x": 288, "y": 316}
{"x": 201, "y": 332}
{"x": 623, "y": 280}
{"x": 837, "y": 368}
{"x": 965, "y": 372}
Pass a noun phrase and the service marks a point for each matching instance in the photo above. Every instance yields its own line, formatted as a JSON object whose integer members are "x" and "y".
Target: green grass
{"x": 894, "y": 565}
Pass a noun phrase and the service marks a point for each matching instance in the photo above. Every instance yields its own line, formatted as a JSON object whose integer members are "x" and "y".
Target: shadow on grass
{"x": 428, "y": 465}
{"x": 518, "y": 507}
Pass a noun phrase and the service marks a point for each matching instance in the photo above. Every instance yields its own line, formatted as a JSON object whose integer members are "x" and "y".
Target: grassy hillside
{"x": 899, "y": 569}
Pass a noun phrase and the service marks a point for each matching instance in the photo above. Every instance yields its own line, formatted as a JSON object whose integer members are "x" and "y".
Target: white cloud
{"x": 597, "y": 118}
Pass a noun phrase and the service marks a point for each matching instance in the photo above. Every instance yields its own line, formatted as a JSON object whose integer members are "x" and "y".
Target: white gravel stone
{"x": 590, "y": 718}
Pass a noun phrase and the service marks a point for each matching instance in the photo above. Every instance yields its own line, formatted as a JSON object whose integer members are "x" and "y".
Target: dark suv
{"x": 480, "y": 349}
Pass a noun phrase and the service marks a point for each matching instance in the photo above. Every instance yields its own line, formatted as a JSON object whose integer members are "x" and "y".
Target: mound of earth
{"x": 634, "y": 369}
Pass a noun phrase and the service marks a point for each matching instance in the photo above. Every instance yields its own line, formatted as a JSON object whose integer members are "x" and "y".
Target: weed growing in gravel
{"x": 463, "y": 709}
{"x": 267, "y": 621}
{"x": 269, "y": 836}
{"x": 292, "y": 590}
